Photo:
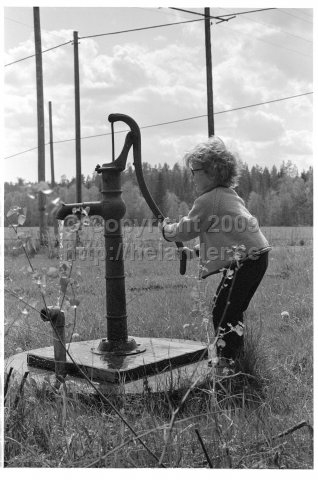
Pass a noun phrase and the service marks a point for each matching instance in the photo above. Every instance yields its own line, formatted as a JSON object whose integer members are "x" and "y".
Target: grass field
{"x": 240, "y": 426}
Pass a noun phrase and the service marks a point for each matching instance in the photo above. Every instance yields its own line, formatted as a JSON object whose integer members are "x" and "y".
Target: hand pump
{"x": 112, "y": 209}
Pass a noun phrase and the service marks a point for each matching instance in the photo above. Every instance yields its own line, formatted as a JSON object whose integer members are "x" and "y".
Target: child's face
{"x": 201, "y": 180}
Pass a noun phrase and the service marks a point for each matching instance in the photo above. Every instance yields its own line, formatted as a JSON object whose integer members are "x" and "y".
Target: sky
{"x": 158, "y": 76}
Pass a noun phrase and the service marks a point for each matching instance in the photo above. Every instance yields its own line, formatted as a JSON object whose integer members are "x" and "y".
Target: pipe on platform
{"x": 57, "y": 319}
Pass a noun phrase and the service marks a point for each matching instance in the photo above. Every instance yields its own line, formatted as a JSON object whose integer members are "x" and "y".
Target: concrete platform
{"x": 165, "y": 364}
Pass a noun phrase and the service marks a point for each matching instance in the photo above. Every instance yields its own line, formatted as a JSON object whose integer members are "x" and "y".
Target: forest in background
{"x": 277, "y": 197}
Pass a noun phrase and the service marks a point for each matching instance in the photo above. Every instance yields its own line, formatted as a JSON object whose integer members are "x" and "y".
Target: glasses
{"x": 196, "y": 170}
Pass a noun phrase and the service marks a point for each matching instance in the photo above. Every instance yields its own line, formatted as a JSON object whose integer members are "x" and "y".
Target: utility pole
{"x": 55, "y": 222}
{"x": 77, "y": 121}
{"x": 209, "y": 81}
{"x": 51, "y": 146}
{"x": 40, "y": 117}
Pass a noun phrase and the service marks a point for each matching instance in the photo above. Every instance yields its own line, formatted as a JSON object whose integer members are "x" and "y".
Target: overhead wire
{"x": 219, "y": 17}
{"x": 151, "y": 27}
{"x": 278, "y": 30}
{"x": 159, "y": 26}
{"x": 139, "y": 29}
{"x": 266, "y": 41}
{"x": 20, "y": 23}
{"x": 172, "y": 121}
{"x": 105, "y": 34}
{"x": 306, "y": 14}
{"x": 282, "y": 10}
{"x": 43, "y": 51}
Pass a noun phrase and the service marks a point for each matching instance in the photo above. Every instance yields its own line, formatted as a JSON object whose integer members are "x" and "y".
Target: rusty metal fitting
{"x": 54, "y": 315}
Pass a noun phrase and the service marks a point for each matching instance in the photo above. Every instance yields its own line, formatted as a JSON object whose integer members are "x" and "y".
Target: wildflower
{"x": 285, "y": 315}
{"x": 186, "y": 325}
{"x": 18, "y": 350}
{"x": 25, "y": 312}
{"x": 75, "y": 336}
{"x": 221, "y": 343}
{"x": 238, "y": 329}
{"x": 237, "y": 256}
{"x": 229, "y": 274}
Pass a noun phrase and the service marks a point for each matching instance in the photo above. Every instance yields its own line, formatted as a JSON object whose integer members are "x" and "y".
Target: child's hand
{"x": 166, "y": 221}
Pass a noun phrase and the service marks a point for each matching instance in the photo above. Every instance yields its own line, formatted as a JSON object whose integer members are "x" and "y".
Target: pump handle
{"x": 134, "y": 128}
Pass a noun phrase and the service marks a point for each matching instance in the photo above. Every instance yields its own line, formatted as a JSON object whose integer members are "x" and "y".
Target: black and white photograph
{"x": 158, "y": 238}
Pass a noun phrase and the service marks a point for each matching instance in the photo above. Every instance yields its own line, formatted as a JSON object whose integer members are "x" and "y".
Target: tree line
{"x": 277, "y": 197}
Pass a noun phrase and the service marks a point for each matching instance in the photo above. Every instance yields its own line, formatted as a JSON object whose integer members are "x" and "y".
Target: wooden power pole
{"x": 55, "y": 222}
{"x": 51, "y": 146}
{"x": 40, "y": 117}
{"x": 209, "y": 82}
{"x": 77, "y": 121}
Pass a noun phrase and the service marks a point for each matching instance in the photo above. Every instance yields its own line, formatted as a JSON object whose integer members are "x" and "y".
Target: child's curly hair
{"x": 214, "y": 158}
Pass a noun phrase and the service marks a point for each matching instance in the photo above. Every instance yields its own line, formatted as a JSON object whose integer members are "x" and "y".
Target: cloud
{"x": 260, "y": 126}
{"x": 159, "y": 77}
{"x": 297, "y": 142}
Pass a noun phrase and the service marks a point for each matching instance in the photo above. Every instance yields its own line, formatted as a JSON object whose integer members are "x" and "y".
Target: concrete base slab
{"x": 167, "y": 364}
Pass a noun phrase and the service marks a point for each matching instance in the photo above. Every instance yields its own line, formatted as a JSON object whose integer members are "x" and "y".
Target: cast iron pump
{"x": 112, "y": 209}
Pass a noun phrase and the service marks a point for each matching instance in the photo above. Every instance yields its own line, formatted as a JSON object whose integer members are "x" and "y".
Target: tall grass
{"x": 258, "y": 418}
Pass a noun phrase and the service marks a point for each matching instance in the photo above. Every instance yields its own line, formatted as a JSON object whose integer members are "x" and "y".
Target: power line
{"x": 306, "y": 14}
{"x": 43, "y": 51}
{"x": 278, "y": 30}
{"x": 221, "y": 16}
{"x": 249, "y": 11}
{"x": 260, "y": 39}
{"x": 196, "y": 13}
{"x": 281, "y": 10}
{"x": 20, "y": 23}
{"x": 21, "y": 153}
{"x": 269, "y": 42}
{"x": 156, "y": 26}
{"x": 106, "y": 34}
{"x": 172, "y": 121}
{"x": 265, "y": 41}
{"x": 139, "y": 29}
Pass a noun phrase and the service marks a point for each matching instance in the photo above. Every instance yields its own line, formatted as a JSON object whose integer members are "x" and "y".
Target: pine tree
{"x": 244, "y": 182}
{"x": 274, "y": 181}
{"x": 160, "y": 191}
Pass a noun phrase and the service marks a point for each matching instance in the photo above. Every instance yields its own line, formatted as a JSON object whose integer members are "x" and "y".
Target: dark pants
{"x": 246, "y": 280}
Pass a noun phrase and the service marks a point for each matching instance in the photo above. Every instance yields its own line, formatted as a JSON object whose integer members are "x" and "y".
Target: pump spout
{"x": 95, "y": 208}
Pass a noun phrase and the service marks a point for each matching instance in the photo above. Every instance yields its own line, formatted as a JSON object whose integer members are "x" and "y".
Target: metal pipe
{"x": 95, "y": 208}
{"x": 57, "y": 319}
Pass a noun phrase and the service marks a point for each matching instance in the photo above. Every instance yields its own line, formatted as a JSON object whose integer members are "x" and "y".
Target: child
{"x": 220, "y": 219}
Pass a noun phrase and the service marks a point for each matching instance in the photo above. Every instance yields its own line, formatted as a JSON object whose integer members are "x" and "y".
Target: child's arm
{"x": 190, "y": 226}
